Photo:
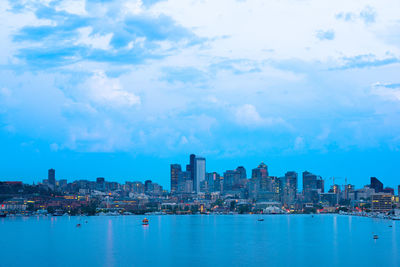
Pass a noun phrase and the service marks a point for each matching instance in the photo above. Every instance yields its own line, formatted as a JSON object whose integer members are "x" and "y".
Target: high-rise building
{"x": 320, "y": 185}
{"x": 52, "y": 178}
{"x": 260, "y": 172}
{"x": 148, "y": 186}
{"x": 62, "y": 184}
{"x": 313, "y": 185}
{"x": 230, "y": 178}
{"x": 260, "y": 177}
{"x": 175, "y": 170}
{"x": 199, "y": 173}
{"x": 185, "y": 183}
{"x": 376, "y": 185}
{"x": 235, "y": 179}
{"x": 242, "y": 172}
{"x": 289, "y": 187}
{"x": 100, "y": 183}
{"x": 191, "y": 166}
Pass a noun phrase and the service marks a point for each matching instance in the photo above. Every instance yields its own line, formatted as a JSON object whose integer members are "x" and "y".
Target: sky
{"x": 121, "y": 89}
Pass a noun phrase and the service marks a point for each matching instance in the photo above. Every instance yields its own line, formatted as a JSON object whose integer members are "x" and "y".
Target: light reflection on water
{"x": 199, "y": 240}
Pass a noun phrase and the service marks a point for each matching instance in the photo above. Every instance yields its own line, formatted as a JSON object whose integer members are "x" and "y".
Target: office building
{"x": 376, "y": 185}
{"x": 199, "y": 173}
{"x": 52, "y": 178}
{"x": 175, "y": 170}
{"x": 313, "y": 185}
{"x": 381, "y": 202}
{"x": 289, "y": 183}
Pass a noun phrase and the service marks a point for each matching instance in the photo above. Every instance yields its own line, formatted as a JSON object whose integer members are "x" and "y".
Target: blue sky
{"x": 122, "y": 89}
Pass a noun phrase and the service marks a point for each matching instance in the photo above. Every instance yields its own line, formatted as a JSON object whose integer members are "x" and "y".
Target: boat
{"x": 260, "y": 220}
{"x": 376, "y": 237}
{"x": 145, "y": 221}
{"x": 78, "y": 225}
{"x": 3, "y": 215}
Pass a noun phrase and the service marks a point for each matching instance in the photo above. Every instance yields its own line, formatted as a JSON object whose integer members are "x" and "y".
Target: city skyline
{"x": 104, "y": 87}
{"x": 191, "y": 169}
{"x": 193, "y": 189}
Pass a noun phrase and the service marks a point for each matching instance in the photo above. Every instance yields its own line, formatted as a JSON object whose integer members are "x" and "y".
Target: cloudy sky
{"x": 123, "y": 88}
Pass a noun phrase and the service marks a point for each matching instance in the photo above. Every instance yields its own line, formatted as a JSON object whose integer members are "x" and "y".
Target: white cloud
{"x": 96, "y": 41}
{"x": 106, "y": 91}
{"x": 247, "y": 115}
{"x": 252, "y": 26}
{"x": 386, "y": 91}
{"x": 72, "y": 6}
{"x": 133, "y": 7}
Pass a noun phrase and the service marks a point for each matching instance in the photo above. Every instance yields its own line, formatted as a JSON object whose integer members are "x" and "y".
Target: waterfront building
{"x": 14, "y": 204}
{"x": 174, "y": 172}
{"x": 361, "y": 194}
{"x": 329, "y": 199}
{"x": 381, "y": 202}
{"x": 376, "y": 185}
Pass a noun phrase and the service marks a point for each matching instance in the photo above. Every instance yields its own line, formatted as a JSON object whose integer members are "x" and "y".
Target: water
{"x": 199, "y": 240}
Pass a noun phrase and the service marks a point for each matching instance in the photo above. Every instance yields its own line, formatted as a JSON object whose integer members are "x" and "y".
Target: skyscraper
{"x": 148, "y": 186}
{"x": 101, "y": 183}
{"x": 191, "y": 166}
{"x": 376, "y": 184}
{"x": 175, "y": 170}
{"x": 312, "y": 186}
{"x": 289, "y": 187}
{"x": 185, "y": 183}
{"x": 242, "y": 172}
{"x": 260, "y": 176}
{"x": 52, "y": 178}
{"x": 199, "y": 172}
{"x": 230, "y": 177}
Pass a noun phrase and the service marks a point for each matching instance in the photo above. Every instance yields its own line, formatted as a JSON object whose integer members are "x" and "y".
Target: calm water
{"x": 238, "y": 240}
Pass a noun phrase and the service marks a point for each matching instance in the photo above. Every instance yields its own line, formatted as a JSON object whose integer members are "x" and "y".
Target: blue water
{"x": 200, "y": 240}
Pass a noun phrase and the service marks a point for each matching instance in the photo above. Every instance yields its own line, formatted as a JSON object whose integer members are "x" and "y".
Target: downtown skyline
{"x": 124, "y": 88}
{"x": 209, "y": 168}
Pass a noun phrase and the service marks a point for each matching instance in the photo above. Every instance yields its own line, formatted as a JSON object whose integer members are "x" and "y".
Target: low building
{"x": 381, "y": 202}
